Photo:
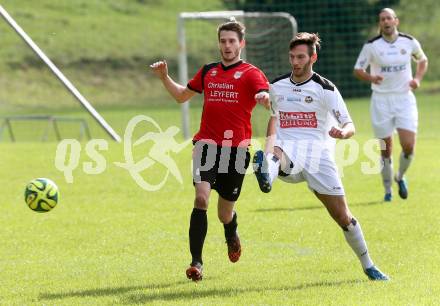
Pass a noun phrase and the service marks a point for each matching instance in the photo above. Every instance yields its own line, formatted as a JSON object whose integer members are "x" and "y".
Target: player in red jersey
{"x": 231, "y": 90}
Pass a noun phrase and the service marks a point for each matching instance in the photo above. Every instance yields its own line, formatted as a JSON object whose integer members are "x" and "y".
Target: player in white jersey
{"x": 393, "y": 105}
{"x": 307, "y": 110}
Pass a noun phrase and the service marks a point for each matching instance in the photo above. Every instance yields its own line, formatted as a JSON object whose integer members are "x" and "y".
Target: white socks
{"x": 355, "y": 238}
{"x": 273, "y": 164}
{"x": 387, "y": 170}
{"x": 387, "y": 174}
{"x": 404, "y": 163}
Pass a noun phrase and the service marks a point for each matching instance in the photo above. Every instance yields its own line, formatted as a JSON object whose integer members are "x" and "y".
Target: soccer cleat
{"x": 234, "y": 248}
{"x": 403, "y": 188}
{"x": 260, "y": 169}
{"x": 375, "y": 274}
{"x": 388, "y": 197}
{"x": 195, "y": 271}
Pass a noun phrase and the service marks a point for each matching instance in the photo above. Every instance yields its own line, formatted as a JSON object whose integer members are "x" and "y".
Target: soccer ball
{"x": 41, "y": 194}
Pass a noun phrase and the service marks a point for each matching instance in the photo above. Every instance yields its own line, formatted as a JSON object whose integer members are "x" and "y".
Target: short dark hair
{"x": 234, "y": 26}
{"x": 312, "y": 40}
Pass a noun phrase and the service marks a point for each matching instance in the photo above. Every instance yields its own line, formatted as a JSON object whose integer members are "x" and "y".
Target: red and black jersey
{"x": 229, "y": 98}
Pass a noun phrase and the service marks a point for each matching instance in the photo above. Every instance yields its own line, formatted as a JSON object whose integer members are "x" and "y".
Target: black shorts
{"x": 223, "y": 167}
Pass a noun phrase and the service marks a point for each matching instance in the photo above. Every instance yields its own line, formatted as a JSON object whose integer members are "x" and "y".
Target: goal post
{"x": 64, "y": 80}
{"x": 267, "y": 37}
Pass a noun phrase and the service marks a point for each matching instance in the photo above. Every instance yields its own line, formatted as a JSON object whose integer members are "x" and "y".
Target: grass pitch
{"x": 110, "y": 242}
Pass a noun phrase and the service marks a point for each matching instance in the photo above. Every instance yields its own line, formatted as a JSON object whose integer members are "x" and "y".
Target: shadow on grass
{"x": 288, "y": 209}
{"x": 366, "y": 203}
{"x": 226, "y": 292}
{"x": 106, "y": 291}
{"x": 315, "y": 207}
{"x": 150, "y": 293}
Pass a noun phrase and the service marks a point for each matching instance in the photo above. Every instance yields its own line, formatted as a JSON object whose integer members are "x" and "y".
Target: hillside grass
{"x": 103, "y": 47}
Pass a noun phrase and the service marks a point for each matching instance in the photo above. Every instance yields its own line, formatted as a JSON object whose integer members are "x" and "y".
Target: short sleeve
{"x": 196, "y": 84}
{"x": 364, "y": 58}
{"x": 336, "y": 106}
{"x": 273, "y": 102}
{"x": 257, "y": 81}
{"x": 417, "y": 53}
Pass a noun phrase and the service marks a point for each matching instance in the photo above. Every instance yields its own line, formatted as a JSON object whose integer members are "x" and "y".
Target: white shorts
{"x": 316, "y": 167}
{"x": 393, "y": 111}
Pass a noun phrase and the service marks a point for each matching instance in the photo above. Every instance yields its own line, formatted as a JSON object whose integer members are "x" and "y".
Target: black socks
{"x": 197, "y": 233}
{"x": 231, "y": 227}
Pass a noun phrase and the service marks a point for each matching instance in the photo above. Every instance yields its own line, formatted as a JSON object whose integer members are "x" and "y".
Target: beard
{"x": 229, "y": 57}
{"x": 304, "y": 70}
{"x": 388, "y": 30}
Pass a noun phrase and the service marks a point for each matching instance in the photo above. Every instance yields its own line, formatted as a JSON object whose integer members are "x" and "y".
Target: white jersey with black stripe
{"x": 391, "y": 60}
{"x": 307, "y": 110}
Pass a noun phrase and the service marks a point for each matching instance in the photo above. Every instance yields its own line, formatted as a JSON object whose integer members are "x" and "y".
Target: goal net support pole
{"x": 60, "y": 76}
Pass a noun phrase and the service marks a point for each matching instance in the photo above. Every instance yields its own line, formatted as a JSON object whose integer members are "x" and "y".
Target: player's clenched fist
{"x": 336, "y": 132}
{"x": 160, "y": 68}
{"x": 263, "y": 99}
{"x": 414, "y": 84}
{"x": 376, "y": 79}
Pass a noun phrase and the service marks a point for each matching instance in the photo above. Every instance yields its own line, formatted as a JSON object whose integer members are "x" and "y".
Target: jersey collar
{"x": 231, "y": 66}
{"x": 302, "y": 83}
{"x": 393, "y": 41}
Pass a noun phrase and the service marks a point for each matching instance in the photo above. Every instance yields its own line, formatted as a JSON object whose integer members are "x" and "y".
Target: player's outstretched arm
{"x": 345, "y": 132}
{"x": 180, "y": 93}
{"x": 270, "y": 135}
{"x": 361, "y": 74}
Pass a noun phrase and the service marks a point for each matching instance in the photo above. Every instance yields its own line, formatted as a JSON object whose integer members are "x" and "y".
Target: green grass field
{"x": 109, "y": 242}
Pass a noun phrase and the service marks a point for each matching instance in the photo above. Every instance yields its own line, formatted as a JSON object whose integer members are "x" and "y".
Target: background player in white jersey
{"x": 302, "y": 106}
{"x": 393, "y": 105}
